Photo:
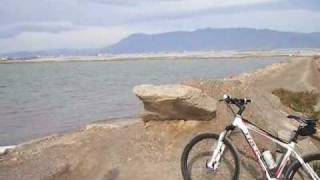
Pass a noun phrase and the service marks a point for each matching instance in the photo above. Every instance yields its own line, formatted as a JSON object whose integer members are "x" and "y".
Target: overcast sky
{"x": 51, "y": 24}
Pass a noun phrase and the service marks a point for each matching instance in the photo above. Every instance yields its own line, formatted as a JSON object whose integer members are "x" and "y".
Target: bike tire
{"x": 185, "y": 155}
{"x": 296, "y": 167}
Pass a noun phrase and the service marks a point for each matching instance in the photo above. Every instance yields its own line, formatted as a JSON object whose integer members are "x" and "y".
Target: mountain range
{"x": 198, "y": 40}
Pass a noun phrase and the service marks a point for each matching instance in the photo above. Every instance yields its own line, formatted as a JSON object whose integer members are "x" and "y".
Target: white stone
{"x": 4, "y": 149}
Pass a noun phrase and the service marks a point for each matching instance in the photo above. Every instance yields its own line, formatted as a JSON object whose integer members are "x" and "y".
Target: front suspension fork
{"x": 213, "y": 163}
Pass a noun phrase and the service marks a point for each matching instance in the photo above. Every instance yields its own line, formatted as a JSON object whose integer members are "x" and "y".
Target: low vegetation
{"x": 304, "y": 101}
{"x": 316, "y": 168}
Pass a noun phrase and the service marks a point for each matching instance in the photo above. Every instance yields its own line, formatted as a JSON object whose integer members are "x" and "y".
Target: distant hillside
{"x": 199, "y": 40}
{"x": 215, "y": 39}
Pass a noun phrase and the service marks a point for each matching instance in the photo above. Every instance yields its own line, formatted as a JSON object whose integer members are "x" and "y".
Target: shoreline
{"x": 102, "y": 123}
{"x": 200, "y": 55}
{"x": 125, "y": 121}
{"x": 17, "y": 138}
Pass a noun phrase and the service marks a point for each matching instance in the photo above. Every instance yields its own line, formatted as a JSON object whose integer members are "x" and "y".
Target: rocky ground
{"x": 135, "y": 149}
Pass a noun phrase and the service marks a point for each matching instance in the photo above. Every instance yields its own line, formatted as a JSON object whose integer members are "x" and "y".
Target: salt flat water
{"x": 38, "y": 99}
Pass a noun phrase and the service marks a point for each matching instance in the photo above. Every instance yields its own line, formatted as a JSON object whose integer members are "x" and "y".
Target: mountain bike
{"x": 218, "y": 158}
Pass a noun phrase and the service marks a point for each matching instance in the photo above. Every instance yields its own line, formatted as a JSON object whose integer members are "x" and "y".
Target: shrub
{"x": 303, "y": 101}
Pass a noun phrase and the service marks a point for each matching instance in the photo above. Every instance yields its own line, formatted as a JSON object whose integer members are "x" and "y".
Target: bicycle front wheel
{"x": 199, "y": 151}
{"x": 297, "y": 172}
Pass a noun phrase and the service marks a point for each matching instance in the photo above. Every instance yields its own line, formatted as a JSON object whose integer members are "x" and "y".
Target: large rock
{"x": 175, "y": 102}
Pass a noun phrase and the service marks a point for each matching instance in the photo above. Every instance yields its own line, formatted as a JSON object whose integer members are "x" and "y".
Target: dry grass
{"x": 316, "y": 168}
{"x": 303, "y": 101}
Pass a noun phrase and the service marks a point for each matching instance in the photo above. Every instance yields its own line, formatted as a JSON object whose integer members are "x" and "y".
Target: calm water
{"x": 41, "y": 99}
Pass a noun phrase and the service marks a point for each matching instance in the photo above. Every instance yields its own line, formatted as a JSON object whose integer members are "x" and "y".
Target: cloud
{"x": 58, "y": 15}
{"x": 313, "y": 5}
{"x": 298, "y": 20}
{"x": 52, "y": 27}
{"x": 34, "y": 24}
{"x": 83, "y": 12}
{"x": 92, "y": 37}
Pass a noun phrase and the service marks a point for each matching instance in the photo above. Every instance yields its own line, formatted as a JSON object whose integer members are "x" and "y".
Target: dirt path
{"x": 130, "y": 152}
{"x": 299, "y": 74}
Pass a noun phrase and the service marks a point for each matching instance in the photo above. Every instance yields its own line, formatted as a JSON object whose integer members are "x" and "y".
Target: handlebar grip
{"x": 294, "y": 117}
{"x": 226, "y": 96}
{"x": 228, "y": 99}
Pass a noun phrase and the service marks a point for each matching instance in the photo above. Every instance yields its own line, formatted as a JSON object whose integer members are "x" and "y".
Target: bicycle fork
{"x": 309, "y": 169}
{"x": 213, "y": 164}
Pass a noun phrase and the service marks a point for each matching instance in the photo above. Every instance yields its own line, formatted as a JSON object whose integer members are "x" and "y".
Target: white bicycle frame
{"x": 245, "y": 127}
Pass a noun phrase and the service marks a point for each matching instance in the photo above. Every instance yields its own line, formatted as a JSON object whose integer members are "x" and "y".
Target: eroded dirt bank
{"x": 152, "y": 151}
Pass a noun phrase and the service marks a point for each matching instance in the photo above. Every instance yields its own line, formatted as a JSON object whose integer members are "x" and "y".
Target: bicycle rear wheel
{"x": 297, "y": 172}
{"x": 199, "y": 150}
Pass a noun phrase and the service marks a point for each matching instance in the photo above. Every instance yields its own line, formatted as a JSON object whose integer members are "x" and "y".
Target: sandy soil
{"x": 104, "y": 153}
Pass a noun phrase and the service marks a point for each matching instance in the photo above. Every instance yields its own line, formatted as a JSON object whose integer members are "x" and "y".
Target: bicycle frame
{"x": 245, "y": 126}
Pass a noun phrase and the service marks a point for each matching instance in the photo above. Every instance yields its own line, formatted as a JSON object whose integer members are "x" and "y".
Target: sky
{"x": 28, "y": 25}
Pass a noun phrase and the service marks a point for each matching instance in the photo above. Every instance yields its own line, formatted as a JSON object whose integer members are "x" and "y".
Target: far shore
{"x": 205, "y": 55}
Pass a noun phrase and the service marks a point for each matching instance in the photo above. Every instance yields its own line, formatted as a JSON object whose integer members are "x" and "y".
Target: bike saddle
{"x": 306, "y": 120}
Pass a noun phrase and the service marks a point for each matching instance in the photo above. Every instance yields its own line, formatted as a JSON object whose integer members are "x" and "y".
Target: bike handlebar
{"x": 235, "y": 101}
{"x": 239, "y": 102}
